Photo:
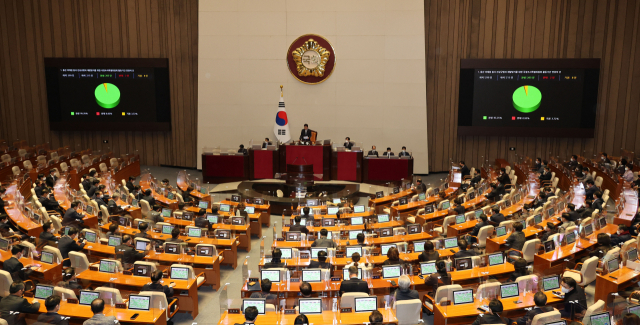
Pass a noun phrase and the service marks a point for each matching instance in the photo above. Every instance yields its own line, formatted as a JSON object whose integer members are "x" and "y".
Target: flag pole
{"x": 281, "y": 91}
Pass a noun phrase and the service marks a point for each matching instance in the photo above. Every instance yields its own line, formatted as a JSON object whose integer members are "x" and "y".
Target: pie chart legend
{"x": 107, "y": 95}
{"x": 527, "y": 99}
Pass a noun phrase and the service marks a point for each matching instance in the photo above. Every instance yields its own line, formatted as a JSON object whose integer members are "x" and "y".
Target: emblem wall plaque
{"x": 311, "y": 59}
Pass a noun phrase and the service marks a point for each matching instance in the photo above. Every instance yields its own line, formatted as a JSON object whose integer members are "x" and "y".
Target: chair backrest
{"x": 74, "y": 162}
{"x": 5, "y": 283}
{"x": 53, "y": 250}
{"x": 598, "y": 183}
{"x": 446, "y": 222}
{"x": 279, "y": 193}
{"x": 27, "y": 165}
{"x": 613, "y": 253}
{"x": 145, "y": 208}
{"x": 105, "y": 213}
{"x": 114, "y": 162}
{"x": 15, "y": 170}
{"x": 507, "y": 169}
{"x": 6, "y": 158}
{"x": 506, "y": 223}
{"x": 110, "y": 294}
{"x": 628, "y": 245}
{"x": 348, "y": 298}
{"x": 179, "y": 197}
{"x": 483, "y": 234}
{"x": 597, "y": 307}
{"x": 490, "y": 289}
{"x": 3, "y": 322}
{"x": 588, "y": 270}
{"x": 527, "y": 282}
{"x": 64, "y": 293}
{"x": 570, "y": 229}
{"x": 57, "y": 223}
{"x": 546, "y": 318}
{"x": 103, "y": 167}
{"x": 152, "y": 264}
{"x": 586, "y": 222}
{"x": 420, "y": 212}
{"x": 158, "y": 300}
{"x": 79, "y": 261}
{"x": 529, "y": 249}
{"x": 408, "y": 311}
{"x": 446, "y": 292}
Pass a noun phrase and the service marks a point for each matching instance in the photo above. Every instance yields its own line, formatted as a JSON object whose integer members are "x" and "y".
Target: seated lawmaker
{"x": 157, "y": 286}
{"x": 305, "y": 134}
{"x": 482, "y": 221}
{"x": 493, "y": 316}
{"x": 572, "y": 292}
{"x": 496, "y": 191}
{"x": 16, "y": 269}
{"x": 48, "y": 201}
{"x": 621, "y": 236}
{"x": 175, "y": 236}
{"x": 52, "y": 304}
{"x": 97, "y": 308}
{"x": 266, "y": 143}
{"x": 265, "y": 293}
{"x": 376, "y": 318}
{"x": 497, "y": 217}
{"x": 347, "y": 143}
{"x": 148, "y": 196}
{"x": 372, "y": 152}
{"x": 540, "y": 299}
{"x": 128, "y": 254}
{"x": 353, "y": 284}
{"x": 14, "y": 302}
{"x": 298, "y": 227}
{"x": 323, "y": 241}
{"x": 420, "y": 187}
{"x": 517, "y": 238}
{"x": 404, "y": 152}
{"x": 250, "y": 315}
{"x": 321, "y": 263}
{"x": 48, "y": 232}
{"x": 242, "y": 150}
{"x": 276, "y": 260}
{"x": 393, "y": 257}
{"x": 388, "y": 153}
{"x": 404, "y": 291}
{"x": 429, "y": 253}
{"x": 67, "y": 243}
{"x": 463, "y": 252}
{"x": 520, "y": 269}
{"x": 440, "y": 277}
{"x": 546, "y": 175}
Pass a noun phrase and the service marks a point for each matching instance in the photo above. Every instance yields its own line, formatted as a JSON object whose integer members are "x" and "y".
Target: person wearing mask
{"x": 321, "y": 263}
{"x": 549, "y": 229}
{"x": 566, "y": 223}
{"x": 503, "y": 178}
{"x": 376, "y": 318}
{"x": 587, "y": 210}
{"x": 86, "y": 182}
{"x": 573, "y": 215}
{"x": 298, "y": 227}
{"x": 137, "y": 193}
{"x": 573, "y": 162}
{"x": 393, "y": 257}
{"x": 18, "y": 271}
{"x": 175, "y": 234}
{"x": 347, "y": 143}
{"x": 51, "y": 179}
{"x": 590, "y": 189}
{"x": 40, "y": 185}
{"x": 540, "y": 299}
{"x": 52, "y": 304}
{"x": 520, "y": 269}
{"x": 571, "y": 293}
{"x": 544, "y": 195}
{"x": 266, "y": 143}
{"x": 155, "y": 285}
{"x": 388, "y": 153}
{"x": 598, "y": 203}
{"x": 404, "y": 152}
{"x": 420, "y": 187}
{"x": 148, "y": 196}
{"x": 463, "y": 252}
{"x": 186, "y": 195}
{"x": 545, "y": 176}
{"x": 97, "y": 307}
{"x": 404, "y": 291}
{"x": 537, "y": 166}
{"x": 604, "y": 158}
{"x": 604, "y": 246}
{"x": 72, "y": 217}
{"x": 276, "y": 260}
{"x": 579, "y": 172}
{"x": 48, "y": 202}
{"x": 475, "y": 180}
{"x": 353, "y": 284}
{"x": 14, "y": 302}
{"x": 429, "y": 253}
{"x": 497, "y": 217}
{"x": 323, "y": 241}
{"x": 67, "y": 243}
{"x": 94, "y": 187}
{"x": 628, "y": 174}
{"x": 493, "y": 316}
{"x": 621, "y": 236}
{"x": 99, "y": 199}
{"x": 47, "y": 233}
{"x": 464, "y": 170}
{"x": 92, "y": 175}
{"x": 496, "y": 191}
{"x": 441, "y": 277}
{"x": 517, "y": 239}
{"x": 155, "y": 215}
{"x": 482, "y": 221}
{"x": 128, "y": 254}
{"x": 373, "y": 152}
{"x": 201, "y": 221}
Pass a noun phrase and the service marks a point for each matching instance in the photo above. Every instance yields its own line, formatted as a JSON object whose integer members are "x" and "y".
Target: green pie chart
{"x": 526, "y": 99}
{"x": 107, "y": 95}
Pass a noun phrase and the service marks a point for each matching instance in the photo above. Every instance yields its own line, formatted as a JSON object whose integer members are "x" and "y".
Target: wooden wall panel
{"x": 461, "y": 29}
{"x": 33, "y": 29}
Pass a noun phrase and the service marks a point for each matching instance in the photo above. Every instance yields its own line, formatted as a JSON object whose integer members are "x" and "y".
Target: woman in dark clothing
{"x": 429, "y": 253}
{"x": 393, "y": 257}
{"x": 520, "y": 266}
{"x": 549, "y": 229}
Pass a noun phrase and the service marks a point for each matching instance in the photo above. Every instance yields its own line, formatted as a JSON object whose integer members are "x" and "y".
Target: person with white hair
{"x": 404, "y": 291}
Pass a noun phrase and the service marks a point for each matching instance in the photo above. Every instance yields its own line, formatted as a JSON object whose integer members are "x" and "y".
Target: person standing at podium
{"x": 373, "y": 152}
{"x": 305, "y": 135}
{"x": 347, "y": 143}
{"x": 266, "y": 143}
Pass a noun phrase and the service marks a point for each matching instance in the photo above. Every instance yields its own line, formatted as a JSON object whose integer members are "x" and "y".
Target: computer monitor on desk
{"x": 358, "y": 209}
{"x": 509, "y": 290}
{"x": 383, "y": 218}
{"x": 139, "y": 302}
{"x": 43, "y": 291}
{"x": 316, "y": 250}
{"x": 272, "y": 275}
{"x": 428, "y": 268}
{"x": 46, "y": 257}
{"x": 353, "y": 234}
{"x": 353, "y": 249}
{"x": 601, "y": 318}
{"x": 114, "y": 241}
{"x": 141, "y": 270}
{"x": 250, "y": 210}
{"x": 365, "y": 304}
{"x": 550, "y": 283}
{"x": 312, "y": 275}
{"x": 450, "y": 242}
{"x": 225, "y": 207}
{"x": 418, "y": 246}
{"x": 384, "y": 248}
{"x": 391, "y": 271}
{"x": 463, "y": 263}
{"x": 345, "y": 273}
{"x": 310, "y": 306}
{"x": 87, "y": 297}
{"x": 462, "y": 297}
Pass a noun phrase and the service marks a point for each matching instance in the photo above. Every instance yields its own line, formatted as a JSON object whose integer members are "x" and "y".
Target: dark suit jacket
{"x": 92, "y": 191}
{"x": 66, "y": 245}
{"x": 404, "y": 154}
{"x": 14, "y": 303}
{"x": 475, "y": 180}
{"x": 100, "y": 202}
{"x": 52, "y": 318}
{"x": 476, "y": 228}
{"x": 464, "y": 171}
{"x": 497, "y": 218}
{"x": 305, "y": 133}
{"x": 129, "y": 255}
{"x": 407, "y": 294}
{"x": 385, "y": 154}
{"x": 491, "y": 319}
{"x": 421, "y": 188}
{"x": 348, "y": 145}
{"x": 428, "y": 256}
{"x": 168, "y": 291}
{"x": 272, "y": 265}
{"x": 575, "y": 294}
{"x": 300, "y": 228}
{"x": 574, "y": 216}
{"x": 45, "y": 235}
{"x": 354, "y": 285}
{"x": 38, "y": 190}
{"x": 590, "y": 191}
{"x": 150, "y": 199}
{"x": 323, "y": 242}
{"x": 48, "y": 204}
{"x": 372, "y": 153}
{"x": 243, "y": 151}
{"x": 130, "y": 186}
{"x": 202, "y": 223}
{"x": 71, "y": 217}
{"x": 51, "y": 180}
{"x": 464, "y": 253}
{"x": 545, "y": 177}
{"x": 516, "y": 240}
{"x": 16, "y": 269}
{"x": 86, "y": 184}
{"x": 317, "y": 265}
{"x": 598, "y": 204}
{"x": 265, "y": 144}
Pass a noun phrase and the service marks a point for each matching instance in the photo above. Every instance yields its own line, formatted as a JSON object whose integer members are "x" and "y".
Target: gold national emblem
{"x": 311, "y": 59}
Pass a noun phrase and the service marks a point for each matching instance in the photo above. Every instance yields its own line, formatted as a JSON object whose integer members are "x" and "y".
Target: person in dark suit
{"x": 598, "y": 203}
{"x": 572, "y": 292}
{"x": 546, "y": 175}
{"x": 404, "y": 291}
{"x": 464, "y": 170}
{"x": 18, "y": 271}
{"x": 39, "y": 187}
{"x": 605, "y": 158}
{"x": 590, "y": 190}
{"x": 404, "y": 152}
{"x": 621, "y": 236}
{"x": 520, "y": 269}
{"x": 130, "y": 185}
{"x": 155, "y": 285}
{"x": 201, "y": 221}
{"x": 71, "y": 216}
{"x": 429, "y": 253}
{"x": 420, "y": 187}
{"x": 127, "y": 253}
{"x": 94, "y": 187}
{"x": 250, "y": 315}
{"x": 573, "y": 162}
{"x": 549, "y": 229}
{"x": 441, "y": 277}
{"x": 475, "y": 180}
{"x": 47, "y": 201}
{"x": 459, "y": 208}
{"x": 51, "y": 179}
{"x": 86, "y": 183}
{"x": 306, "y": 215}
{"x": 100, "y": 199}
{"x": 353, "y": 284}
{"x": 482, "y": 221}
{"x": 266, "y": 143}
{"x": 14, "y": 302}
{"x": 360, "y": 240}
{"x": 497, "y": 217}
{"x": 493, "y": 316}
{"x": 305, "y": 134}
{"x": 175, "y": 234}
{"x": 463, "y": 252}
{"x": 2, "y": 192}
{"x": 323, "y": 241}
{"x": 148, "y": 196}
{"x": 503, "y": 178}
{"x": 372, "y": 152}
{"x": 242, "y": 150}
{"x": 393, "y": 257}
{"x": 604, "y": 246}
{"x": 143, "y": 227}
{"x": 573, "y": 215}
{"x": 495, "y": 192}
{"x": 321, "y": 263}
{"x": 347, "y": 143}
{"x": 97, "y": 308}
{"x": 265, "y": 293}
{"x": 52, "y": 303}
{"x": 544, "y": 195}
{"x": 517, "y": 239}
{"x": 587, "y": 210}
{"x": 47, "y": 234}
{"x": 388, "y": 153}
{"x": 276, "y": 261}
{"x": 298, "y": 227}
{"x": 67, "y": 243}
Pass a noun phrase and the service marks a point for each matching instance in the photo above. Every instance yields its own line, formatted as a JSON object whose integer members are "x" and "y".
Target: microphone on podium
{"x": 294, "y": 160}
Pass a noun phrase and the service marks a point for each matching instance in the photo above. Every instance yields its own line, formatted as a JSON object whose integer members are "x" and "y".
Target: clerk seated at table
{"x": 321, "y": 263}
{"x": 266, "y": 143}
{"x": 572, "y": 292}
{"x": 298, "y": 227}
{"x": 347, "y": 143}
{"x": 497, "y": 217}
{"x": 305, "y": 134}
{"x": 242, "y": 150}
{"x": 52, "y": 303}
{"x": 18, "y": 271}
{"x": 429, "y": 253}
{"x": 463, "y": 252}
{"x": 503, "y": 178}
{"x": 14, "y": 306}
{"x": 520, "y": 269}
{"x": 40, "y": 185}
{"x": 353, "y": 284}
{"x": 404, "y": 152}
{"x": 517, "y": 238}
{"x": 393, "y": 257}
{"x": 72, "y": 217}
{"x": 127, "y": 253}
{"x": 250, "y": 315}
{"x": 441, "y": 277}
{"x": 388, "y": 153}
{"x": 155, "y": 285}
{"x": 493, "y": 316}
{"x": 94, "y": 187}
{"x": 323, "y": 241}
{"x": 621, "y": 236}
{"x": 598, "y": 202}
{"x": 372, "y": 152}
{"x": 97, "y": 308}
{"x": 540, "y": 299}
{"x": 276, "y": 261}
{"x": 175, "y": 233}
{"x": 404, "y": 291}
{"x": 265, "y": 286}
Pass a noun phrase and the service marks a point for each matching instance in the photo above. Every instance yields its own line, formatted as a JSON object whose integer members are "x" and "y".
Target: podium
{"x": 317, "y": 155}
{"x": 347, "y": 166}
{"x": 263, "y": 164}
{"x": 382, "y": 170}
{"x": 224, "y": 168}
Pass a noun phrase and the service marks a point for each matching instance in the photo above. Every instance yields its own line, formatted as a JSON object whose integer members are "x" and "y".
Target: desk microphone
{"x": 294, "y": 160}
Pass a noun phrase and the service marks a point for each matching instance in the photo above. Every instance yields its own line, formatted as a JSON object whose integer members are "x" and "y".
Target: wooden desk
{"x": 224, "y": 168}
{"x": 59, "y": 194}
{"x": 22, "y": 222}
{"x": 605, "y": 285}
{"x": 365, "y": 214}
{"x": 188, "y": 301}
{"x": 372, "y": 241}
{"x": 467, "y": 313}
{"x": 327, "y": 317}
{"x": 242, "y": 232}
{"x": 50, "y": 273}
{"x": 380, "y": 202}
{"x": 381, "y": 170}
{"x": 80, "y": 313}
{"x": 145, "y": 182}
{"x": 263, "y": 209}
{"x": 625, "y": 217}
{"x": 263, "y": 164}
{"x": 183, "y": 184}
{"x": 410, "y": 207}
{"x": 318, "y": 156}
{"x": 498, "y": 243}
{"x": 347, "y": 166}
